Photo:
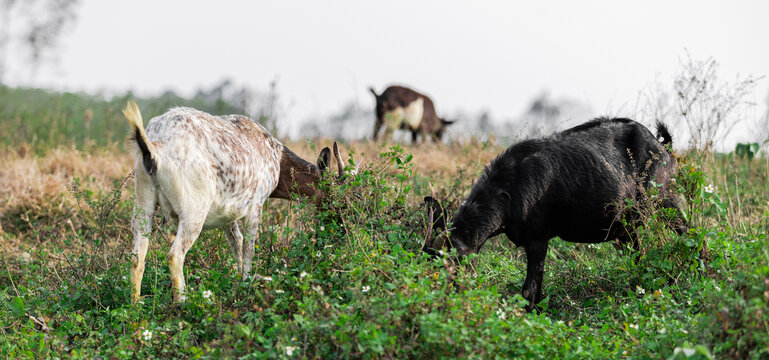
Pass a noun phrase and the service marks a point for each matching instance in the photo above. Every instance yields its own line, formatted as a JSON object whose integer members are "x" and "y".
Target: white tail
{"x": 146, "y": 148}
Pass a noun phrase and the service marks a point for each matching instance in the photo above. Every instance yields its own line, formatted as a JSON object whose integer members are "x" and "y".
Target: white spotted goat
{"x": 208, "y": 171}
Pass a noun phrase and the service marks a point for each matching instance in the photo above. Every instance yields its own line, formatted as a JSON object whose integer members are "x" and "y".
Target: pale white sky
{"x": 468, "y": 55}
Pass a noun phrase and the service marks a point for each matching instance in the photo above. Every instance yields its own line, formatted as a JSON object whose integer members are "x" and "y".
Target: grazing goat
{"x": 210, "y": 171}
{"x": 571, "y": 184}
{"x": 402, "y": 108}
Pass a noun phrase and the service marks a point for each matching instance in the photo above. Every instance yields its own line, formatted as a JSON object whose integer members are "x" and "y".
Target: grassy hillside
{"x": 43, "y": 119}
{"x": 349, "y": 281}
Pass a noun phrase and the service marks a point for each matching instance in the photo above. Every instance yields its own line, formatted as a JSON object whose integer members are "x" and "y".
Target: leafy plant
{"x": 748, "y": 151}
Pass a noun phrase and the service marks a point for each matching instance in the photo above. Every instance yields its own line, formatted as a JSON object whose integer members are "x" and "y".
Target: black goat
{"x": 572, "y": 184}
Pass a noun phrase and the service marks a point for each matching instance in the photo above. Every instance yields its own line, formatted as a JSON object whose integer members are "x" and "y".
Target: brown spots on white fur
{"x": 210, "y": 171}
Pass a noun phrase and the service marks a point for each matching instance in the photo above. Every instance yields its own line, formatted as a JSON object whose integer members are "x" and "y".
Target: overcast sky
{"x": 473, "y": 55}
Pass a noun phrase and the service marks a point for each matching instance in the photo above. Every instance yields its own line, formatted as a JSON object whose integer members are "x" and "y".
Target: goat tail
{"x": 134, "y": 117}
{"x": 664, "y": 134}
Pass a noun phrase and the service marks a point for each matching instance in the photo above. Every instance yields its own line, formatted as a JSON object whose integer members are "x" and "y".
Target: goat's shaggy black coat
{"x": 571, "y": 185}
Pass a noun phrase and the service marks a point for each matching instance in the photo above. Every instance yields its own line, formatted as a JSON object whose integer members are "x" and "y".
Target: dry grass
{"x": 28, "y": 181}
{"x": 35, "y": 189}
{"x": 430, "y": 159}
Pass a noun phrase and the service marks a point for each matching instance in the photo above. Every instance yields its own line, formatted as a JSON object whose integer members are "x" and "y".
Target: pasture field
{"x": 349, "y": 280}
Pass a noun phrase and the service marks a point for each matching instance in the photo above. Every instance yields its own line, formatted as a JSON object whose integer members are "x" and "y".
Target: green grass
{"x": 45, "y": 119}
{"x": 349, "y": 281}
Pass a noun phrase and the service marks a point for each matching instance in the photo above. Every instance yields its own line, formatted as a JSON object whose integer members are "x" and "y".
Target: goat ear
{"x": 427, "y": 246}
{"x": 435, "y": 213}
{"x": 436, "y": 237}
{"x": 324, "y": 159}
{"x": 338, "y": 158}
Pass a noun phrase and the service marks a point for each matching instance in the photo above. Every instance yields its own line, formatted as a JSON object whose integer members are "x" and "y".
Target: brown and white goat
{"x": 399, "y": 107}
{"x": 209, "y": 171}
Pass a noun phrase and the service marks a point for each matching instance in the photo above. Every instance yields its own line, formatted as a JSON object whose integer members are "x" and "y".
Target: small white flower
{"x": 633, "y": 326}
{"x": 207, "y": 294}
{"x": 317, "y": 253}
{"x": 662, "y": 331}
{"x": 303, "y": 274}
{"x": 365, "y": 288}
{"x": 689, "y": 302}
{"x": 147, "y": 335}
{"x": 353, "y": 172}
{"x": 290, "y": 350}
{"x": 501, "y": 314}
{"x": 267, "y": 278}
{"x": 279, "y": 291}
{"x": 717, "y": 287}
{"x": 639, "y": 290}
{"x": 327, "y": 246}
{"x": 124, "y": 278}
{"x": 709, "y": 189}
{"x": 293, "y": 339}
{"x": 322, "y": 228}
